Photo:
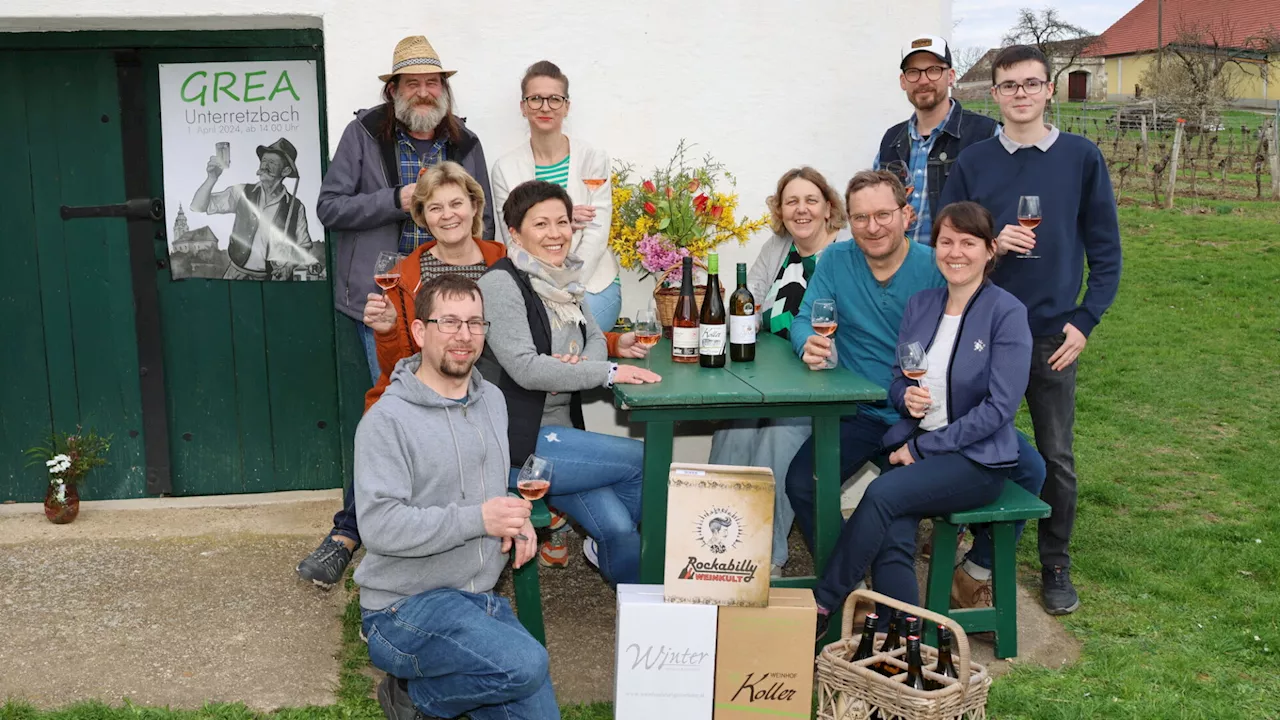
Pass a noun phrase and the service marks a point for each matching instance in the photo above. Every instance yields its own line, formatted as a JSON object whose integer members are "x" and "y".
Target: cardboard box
{"x": 666, "y": 657}
{"x": 764, "y": 662}
{"x": 719, "y": 534}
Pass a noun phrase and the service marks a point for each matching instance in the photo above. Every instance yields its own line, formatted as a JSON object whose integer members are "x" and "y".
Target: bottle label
{"x": 742, "y": 329}
{"x": 711, "y": 339}
{"x": 684, "y": 342}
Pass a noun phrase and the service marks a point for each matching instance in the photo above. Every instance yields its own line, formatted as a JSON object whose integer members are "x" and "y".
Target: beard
{"x": 928, "y": 100}
{"x": 409, "y": 111}
{"x": 268, "y": 181}
{"x": 455, "y": 368}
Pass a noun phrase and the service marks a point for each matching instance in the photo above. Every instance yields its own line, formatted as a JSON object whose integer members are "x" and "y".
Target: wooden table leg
{"x": 658, "y": 438}
{"x": 826, "y": 505}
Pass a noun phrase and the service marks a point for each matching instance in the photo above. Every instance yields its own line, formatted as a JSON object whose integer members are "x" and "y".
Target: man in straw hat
{"x": 364, "y": 200}
{"x": 269, "y": 238}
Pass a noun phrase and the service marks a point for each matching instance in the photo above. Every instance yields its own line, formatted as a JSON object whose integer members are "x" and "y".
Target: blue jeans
{"x": 605, "y": 305}
{"x": 860, "y": 437}
{"x": 765, "y": 443}
{"x": 596, "y": 479}
{"x": 463, "y": 654}
{"x": 881, "y": 534}
{"x": 370, "y": 351}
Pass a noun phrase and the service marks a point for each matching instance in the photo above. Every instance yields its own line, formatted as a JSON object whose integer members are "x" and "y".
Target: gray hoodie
{"x": 424, "y": 464}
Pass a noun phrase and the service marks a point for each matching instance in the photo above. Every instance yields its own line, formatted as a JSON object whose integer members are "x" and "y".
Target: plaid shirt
{"x": 918, "y": 171}
{"x": 411, "y": 163}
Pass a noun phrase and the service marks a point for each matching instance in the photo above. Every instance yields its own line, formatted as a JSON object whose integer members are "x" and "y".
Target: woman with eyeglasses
{"x": 583, "y": 171}
{"x": 542, "y": 351}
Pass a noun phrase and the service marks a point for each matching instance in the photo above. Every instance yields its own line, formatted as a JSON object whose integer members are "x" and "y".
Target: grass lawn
{"x": 1177, "y": 544}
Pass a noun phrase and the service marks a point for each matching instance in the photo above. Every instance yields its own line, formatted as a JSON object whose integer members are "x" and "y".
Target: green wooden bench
{"x": 525, "y": 579}
{"x": 1014, "y": 504}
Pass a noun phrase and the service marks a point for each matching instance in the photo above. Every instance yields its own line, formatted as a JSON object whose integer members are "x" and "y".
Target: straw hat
{"x": 415, "y": 56}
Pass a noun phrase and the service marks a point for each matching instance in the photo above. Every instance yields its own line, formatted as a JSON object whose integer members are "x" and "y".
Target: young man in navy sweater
{"x": 1044, "y": 268}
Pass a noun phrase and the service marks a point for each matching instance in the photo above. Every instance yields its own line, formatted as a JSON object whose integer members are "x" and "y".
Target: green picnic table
{"x": 777, "y": 384}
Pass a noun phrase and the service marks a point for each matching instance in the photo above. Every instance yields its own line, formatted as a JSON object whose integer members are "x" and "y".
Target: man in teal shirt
{"x": 870, "y": 280}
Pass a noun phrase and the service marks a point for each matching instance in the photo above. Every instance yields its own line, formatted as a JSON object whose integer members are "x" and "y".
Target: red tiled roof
{"x": 1235, "y": 21}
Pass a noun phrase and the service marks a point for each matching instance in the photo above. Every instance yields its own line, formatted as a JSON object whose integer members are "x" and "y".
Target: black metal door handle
{"x": 136, "y": 208}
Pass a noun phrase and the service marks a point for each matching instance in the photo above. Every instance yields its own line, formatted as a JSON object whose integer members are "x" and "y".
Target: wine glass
{"x": 913, "y": 361}
{"x": 822, "y": 318}
{"x": 1029, "y": 218}
{"x": 535, "y": 478}
{"x": 594, "y": 181}
{"x": 386, "y": 270}
{"x": 648, "y": 330}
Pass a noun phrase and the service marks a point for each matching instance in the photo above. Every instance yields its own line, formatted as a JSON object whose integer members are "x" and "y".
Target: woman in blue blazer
{"x": 955, "y": 444}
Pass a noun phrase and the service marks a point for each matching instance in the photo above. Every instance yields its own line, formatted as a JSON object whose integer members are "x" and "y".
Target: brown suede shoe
{"x": 966, "y": 592}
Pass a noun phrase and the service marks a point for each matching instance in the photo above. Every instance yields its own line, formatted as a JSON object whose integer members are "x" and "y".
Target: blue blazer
{"x": 986, "y": 377}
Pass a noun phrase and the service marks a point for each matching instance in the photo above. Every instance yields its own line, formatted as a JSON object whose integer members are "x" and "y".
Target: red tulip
{"x": 669, "y": 192}
{"x": 700, "y": 202}
{"x": 650, "y": 208}
{"x": 694, "y": 185}
{"x": 717, "y": 211}
{"x": 649, "y": 186}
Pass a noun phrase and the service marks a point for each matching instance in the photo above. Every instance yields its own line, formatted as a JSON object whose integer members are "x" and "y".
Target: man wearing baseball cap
{"x": 364, "y": 199}
{"x": 921, "y": 150}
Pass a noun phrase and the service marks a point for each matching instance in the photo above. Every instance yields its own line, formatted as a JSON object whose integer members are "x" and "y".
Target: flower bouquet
{"x": 680, "y": 210}
{"x": 68, "y": 458}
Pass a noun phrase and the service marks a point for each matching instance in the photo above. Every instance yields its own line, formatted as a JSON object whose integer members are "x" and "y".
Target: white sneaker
{"x": 591, "y": 552}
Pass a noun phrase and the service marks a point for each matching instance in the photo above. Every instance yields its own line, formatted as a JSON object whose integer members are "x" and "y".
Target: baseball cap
{"x": 931, "y": 44}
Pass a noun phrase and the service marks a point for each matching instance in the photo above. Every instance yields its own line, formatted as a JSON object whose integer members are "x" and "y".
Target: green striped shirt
{"x": 558, "y": 173}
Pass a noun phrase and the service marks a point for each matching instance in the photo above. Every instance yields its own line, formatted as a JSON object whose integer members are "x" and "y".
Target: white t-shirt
{"x": 935, "y": 379}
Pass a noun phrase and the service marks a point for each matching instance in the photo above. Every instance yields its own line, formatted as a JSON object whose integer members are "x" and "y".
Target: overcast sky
{"x": 984, "y": 22}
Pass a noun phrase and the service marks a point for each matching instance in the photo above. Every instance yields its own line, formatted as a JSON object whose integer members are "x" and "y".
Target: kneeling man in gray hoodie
{"x": 431, "y": 466}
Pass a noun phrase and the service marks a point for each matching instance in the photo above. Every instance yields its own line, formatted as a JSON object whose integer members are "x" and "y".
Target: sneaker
{"x": 1057, "y": 592}
{"x": 326, "y": 564}
{"x": 393, "y": 696}
{"x": 554, "y": 553}
{"x": 558, "y": 520}
{"x": 592, "y": 552}
{"x": 824, "y": 622}
{"x": 968, "y": 592}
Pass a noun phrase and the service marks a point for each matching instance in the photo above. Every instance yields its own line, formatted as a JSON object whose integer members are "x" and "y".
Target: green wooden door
{"x": 251, "y": 378}
{"x": 70, "y": 356}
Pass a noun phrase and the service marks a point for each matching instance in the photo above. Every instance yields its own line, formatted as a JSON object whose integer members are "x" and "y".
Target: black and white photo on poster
{"x": 241, "y": 145}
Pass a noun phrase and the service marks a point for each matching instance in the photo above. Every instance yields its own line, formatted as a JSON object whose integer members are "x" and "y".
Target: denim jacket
{"x": 986, "y": 376}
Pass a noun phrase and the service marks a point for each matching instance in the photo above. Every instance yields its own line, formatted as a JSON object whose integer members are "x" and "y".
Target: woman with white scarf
{"x": 542, "y": 350}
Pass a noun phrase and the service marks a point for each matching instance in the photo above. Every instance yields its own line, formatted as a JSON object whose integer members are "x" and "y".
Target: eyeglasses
{"x": 451, "y": 325}
{"x": 933, "y": 72}
{"x": 882, "y": 218}
{"x": 537, "y": 102}
{"x": 1032, "y": 86}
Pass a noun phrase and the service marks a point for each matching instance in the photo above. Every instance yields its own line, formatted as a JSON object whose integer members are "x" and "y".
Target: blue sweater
{"x": 1079, "y": 221}
{"x": 868, "y": 312}
{"x": 986, "y": 377}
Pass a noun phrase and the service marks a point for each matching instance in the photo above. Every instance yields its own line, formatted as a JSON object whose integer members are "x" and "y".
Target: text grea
{"x": 199, "y": 87}
{"x": 664, "y": 657}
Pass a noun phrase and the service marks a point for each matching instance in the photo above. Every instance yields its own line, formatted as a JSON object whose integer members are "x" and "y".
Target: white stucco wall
{"x": 763, "y": 85}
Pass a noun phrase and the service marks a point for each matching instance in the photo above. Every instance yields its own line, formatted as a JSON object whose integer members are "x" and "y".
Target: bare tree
{"x": 1203, "y": 67}
{"x": 1060, "y": 41}
{"x": 966, "y": 58}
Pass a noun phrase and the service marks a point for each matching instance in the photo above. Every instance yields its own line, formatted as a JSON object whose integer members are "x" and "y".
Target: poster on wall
{"x": 241, "y": 143}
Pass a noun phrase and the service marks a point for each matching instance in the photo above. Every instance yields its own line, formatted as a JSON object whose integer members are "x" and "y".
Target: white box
{"x": 666, "y": 657}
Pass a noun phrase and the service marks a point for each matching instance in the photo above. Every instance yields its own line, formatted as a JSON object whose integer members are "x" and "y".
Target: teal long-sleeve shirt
{"x": 869, "y": 312}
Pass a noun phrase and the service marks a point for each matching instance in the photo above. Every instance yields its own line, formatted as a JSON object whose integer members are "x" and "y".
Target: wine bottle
{"x": 711, "y": 330}
{"x": 742, "y": 320}
{"x": 946, "y": 666}
{"x": 893, "y": 638}
{"x": 684, "y": 326}
{"x": 915, "y": 671}
{"x": 867, "y": 646}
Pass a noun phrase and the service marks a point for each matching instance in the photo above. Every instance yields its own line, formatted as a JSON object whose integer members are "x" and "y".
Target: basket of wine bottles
{"x": 893, "y": 675}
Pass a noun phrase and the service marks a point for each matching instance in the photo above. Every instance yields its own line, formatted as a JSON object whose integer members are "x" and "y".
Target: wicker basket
{"x": 664, "y": 298}
{"x": 852, "y": 691}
